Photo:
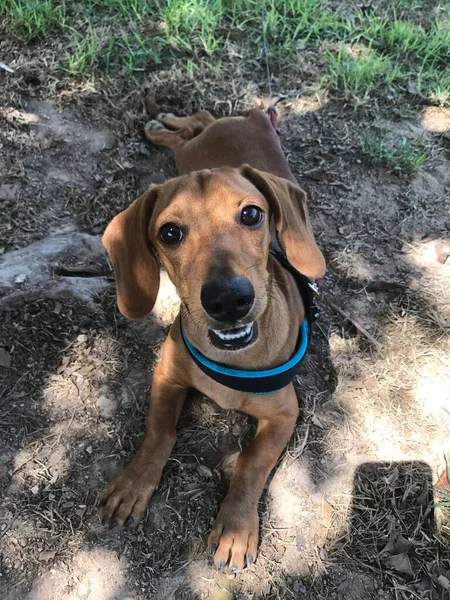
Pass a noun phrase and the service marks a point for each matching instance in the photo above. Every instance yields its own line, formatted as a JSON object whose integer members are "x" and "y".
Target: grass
{"x": 32, "y": 18}
{"x": 391, "y": 48}
{"x": 404, "y": 157}
{"x": 357, "y": 72}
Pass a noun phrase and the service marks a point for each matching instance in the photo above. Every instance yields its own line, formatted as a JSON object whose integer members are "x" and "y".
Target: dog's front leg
{"x": 126, "y": 498}
{"x": 234, "y": 536}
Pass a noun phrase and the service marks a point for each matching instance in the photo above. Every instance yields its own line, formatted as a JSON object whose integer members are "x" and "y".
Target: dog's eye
{"x": 170, "y": 234}
{"x": 251, "y": 216}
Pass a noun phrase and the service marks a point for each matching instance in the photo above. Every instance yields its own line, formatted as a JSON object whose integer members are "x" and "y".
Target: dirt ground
{"x": 347, "y": 514}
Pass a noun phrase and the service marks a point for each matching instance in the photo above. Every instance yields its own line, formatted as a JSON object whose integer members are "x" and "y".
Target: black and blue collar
{"x": 269, "y": 380}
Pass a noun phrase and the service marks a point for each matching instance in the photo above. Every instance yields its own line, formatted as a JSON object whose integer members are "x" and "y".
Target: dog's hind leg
{"x": 159, "y": 135}
{"x": 197, "y": 122}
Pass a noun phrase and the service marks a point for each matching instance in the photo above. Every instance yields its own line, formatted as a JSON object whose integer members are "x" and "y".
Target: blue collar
{"x": 269, "y": 380}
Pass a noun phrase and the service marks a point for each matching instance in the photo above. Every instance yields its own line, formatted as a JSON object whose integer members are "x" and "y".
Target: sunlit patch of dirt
{"x": 436, "y": 120}
{"x": 95, "y": 574}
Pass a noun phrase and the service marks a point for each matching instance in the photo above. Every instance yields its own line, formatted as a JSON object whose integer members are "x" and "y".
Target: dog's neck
{"x": 277, "y": 326}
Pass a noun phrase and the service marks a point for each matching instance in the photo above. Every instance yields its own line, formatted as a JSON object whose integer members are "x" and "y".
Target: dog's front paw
{"x": 126, "y": 498}
{"x": 233, "y": 540}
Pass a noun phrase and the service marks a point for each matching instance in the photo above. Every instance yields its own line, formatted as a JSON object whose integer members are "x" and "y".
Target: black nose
{"x": 227, "y": 299}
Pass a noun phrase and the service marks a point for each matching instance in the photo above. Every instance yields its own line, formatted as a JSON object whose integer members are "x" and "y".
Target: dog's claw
{"x": 212, "y": 549}
{"x": 113, "y": 524}
{"x": 154, "y": 125}
{"x": 129, "y": 522}
{"x": 250, "y": 560}
{"x": 221, "y": 565}
{"x": 233, "y": 570}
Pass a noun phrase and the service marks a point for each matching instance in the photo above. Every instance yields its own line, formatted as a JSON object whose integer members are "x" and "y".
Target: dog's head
{"x": 210, "y": 230}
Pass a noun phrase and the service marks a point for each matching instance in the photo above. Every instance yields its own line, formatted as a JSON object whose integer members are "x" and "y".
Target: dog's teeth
{"x": 242, "y": 332}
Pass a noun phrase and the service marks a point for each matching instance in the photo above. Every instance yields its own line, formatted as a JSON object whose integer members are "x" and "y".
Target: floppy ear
{"x": 294, "y": 233}
{"x": 133, "y": 258}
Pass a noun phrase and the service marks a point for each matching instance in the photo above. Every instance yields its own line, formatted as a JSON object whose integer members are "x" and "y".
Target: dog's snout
{"x": 227, "y": 300}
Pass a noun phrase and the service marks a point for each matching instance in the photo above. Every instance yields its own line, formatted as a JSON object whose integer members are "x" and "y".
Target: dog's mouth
{"x": 234, "y": 339}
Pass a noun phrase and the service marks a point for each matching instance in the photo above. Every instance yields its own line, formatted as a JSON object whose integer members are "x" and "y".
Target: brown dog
{"x": 240, "y": 307}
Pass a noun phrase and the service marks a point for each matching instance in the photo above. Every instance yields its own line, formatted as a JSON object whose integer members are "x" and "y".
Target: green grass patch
{"x": 32, "y": 18}
{"x": 395, "y": 48}
{"x": 404, "y": 157}
{"x": 357, "y": 72}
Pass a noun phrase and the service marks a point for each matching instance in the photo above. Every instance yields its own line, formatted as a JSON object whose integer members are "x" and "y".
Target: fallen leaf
{"x": 317, "y": 422}
{"x": 327, "y": 513}
{"x": 8, "y": 191}
{"x": 402, "y": 545}
{"x": 47, "y": 555}
{"x": 204, "y": 470}
{"x": 399, "y": 563}
{"x": 318, "y": 174}
{"x": 222, "y": 591}
{"x": 392, "y": 477}
{"x": 5, "y": 358}
{"x": 443, "y": 582}
{"x": 443, "y": 483}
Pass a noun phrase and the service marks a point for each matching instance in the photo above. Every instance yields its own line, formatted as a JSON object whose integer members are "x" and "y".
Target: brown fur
{"x": 223, "y": 166}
